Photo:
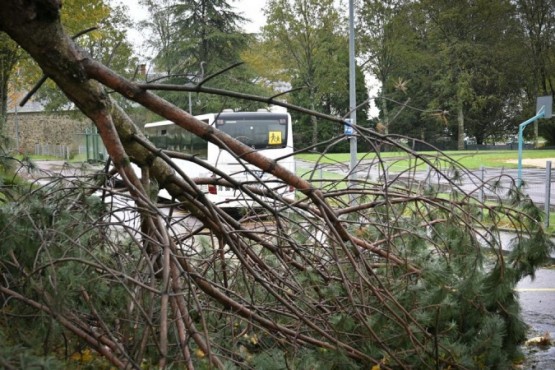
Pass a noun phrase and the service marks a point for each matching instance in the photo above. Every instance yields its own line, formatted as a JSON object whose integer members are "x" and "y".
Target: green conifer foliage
{"x": 412, "y": 275}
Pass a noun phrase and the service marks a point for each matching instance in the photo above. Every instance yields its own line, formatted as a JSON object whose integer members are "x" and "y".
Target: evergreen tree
{"x": 458, "y": 63}
{"x": 195, "y": 39}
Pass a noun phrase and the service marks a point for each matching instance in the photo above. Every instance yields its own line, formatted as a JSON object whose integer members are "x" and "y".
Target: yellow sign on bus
{"x": 274, "y": 138}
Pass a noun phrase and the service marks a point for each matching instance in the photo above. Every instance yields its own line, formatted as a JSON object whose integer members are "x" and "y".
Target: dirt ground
{"x": 539, "y": 162}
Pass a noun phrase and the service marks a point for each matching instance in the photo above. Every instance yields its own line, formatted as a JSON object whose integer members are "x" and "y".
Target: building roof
{"x": 31, "y": 106}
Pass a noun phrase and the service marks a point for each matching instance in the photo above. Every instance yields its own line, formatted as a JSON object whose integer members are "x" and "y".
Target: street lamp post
{"x": 352, "y": 97}
{"x": 195, "y": 79}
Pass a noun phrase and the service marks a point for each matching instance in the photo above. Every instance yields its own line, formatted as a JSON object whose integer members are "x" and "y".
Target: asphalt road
{"x": 533, "y": 179}
{"x": 537, "y": 300}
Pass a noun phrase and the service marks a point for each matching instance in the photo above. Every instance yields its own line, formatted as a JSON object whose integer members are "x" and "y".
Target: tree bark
{"x": 460, "y": 124}
{"x": 385, "y": 113}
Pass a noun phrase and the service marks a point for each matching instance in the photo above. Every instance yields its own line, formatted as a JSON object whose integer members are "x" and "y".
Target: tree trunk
{"x": 385, "y": 116}
{"x": 313, "y": 121}
{"x": 4, "y": 76}
{"x": 460, "y": 124}
{"x": 3, "y": 108}
{"x": 536, "y": 134}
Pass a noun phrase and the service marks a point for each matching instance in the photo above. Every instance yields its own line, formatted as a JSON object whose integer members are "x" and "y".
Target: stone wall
{"x": 42, "y": 128}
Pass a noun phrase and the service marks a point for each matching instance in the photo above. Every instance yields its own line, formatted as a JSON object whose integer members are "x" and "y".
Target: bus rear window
{"x": 173, "y": 137}
{"x": 257, "y": 133}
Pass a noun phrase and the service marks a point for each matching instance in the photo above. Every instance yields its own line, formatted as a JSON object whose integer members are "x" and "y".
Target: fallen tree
{"x": 407, "y": 276}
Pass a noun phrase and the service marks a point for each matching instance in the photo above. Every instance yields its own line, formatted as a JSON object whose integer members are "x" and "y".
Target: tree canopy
{"x": 466, "y": 59}
{"x": 310, "y": 49}
{"x": 98, "y": 28}
{"x": 192, "y": 40}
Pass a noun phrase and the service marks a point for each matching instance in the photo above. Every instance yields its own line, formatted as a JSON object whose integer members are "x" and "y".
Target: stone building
{"x": 32, "y": 130}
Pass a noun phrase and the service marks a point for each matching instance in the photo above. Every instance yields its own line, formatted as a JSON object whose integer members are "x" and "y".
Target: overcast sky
{"x": 250, "y": 9}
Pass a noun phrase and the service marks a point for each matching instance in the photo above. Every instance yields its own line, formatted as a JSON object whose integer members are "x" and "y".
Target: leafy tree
{"x": 460, "y": 61}
{"x": 194, "y": 39}
{"x": 311, "y": 48}
{"x": 106, "y": 41}
{"x": 110, "y": 44}
{"x": 263, "y": 57}
{"x": 537, "y": 18}
{"x": 160, "y": 27}
{"x": 9, "y": 56}
{"x": 477, "y": 79}
{"x": 336, "y": 103}
{"x": 78, "y": 15}
{"x": 396, "y": 49}
{"x": 379, "y": 40}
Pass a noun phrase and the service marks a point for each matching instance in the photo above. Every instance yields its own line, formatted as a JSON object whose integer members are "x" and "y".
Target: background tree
{"x": 312, "y": 49}
{"x": 9, "y": 56}
{"x": 537, "y": 19}
{"x": 380, "y": 37}
{"x": 475, "y": 43}
{"x": 336, "y": 103}
{"x": 396, "y": 48}
{"x": 161, "y": 33}
{"x": 194, "y": 39}
{"x": 461, "y": 61}
{"x": 108, "y": 42}
{"x": 105, "y": 39}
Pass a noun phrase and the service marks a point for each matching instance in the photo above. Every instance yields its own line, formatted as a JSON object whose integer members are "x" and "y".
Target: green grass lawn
{"x": 398, "y": 160}
{"x": 470, "y": 159}
{"x": 76, "y": 158}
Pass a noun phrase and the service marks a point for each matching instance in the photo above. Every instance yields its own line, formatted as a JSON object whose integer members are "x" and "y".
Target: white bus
{"x": 268, "y": 132}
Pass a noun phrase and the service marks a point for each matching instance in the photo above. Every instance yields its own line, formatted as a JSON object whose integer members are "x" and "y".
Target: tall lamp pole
{"x": 352, "y": 96}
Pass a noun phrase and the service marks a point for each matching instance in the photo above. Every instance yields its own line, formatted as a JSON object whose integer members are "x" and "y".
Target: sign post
{"x": 348, "y": 128}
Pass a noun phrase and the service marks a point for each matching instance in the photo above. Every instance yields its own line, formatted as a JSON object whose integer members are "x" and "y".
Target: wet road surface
{"x": 537, "y": 299}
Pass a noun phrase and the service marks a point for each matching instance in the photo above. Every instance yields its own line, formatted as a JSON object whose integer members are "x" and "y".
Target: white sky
{"x": 250, "y": 9}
